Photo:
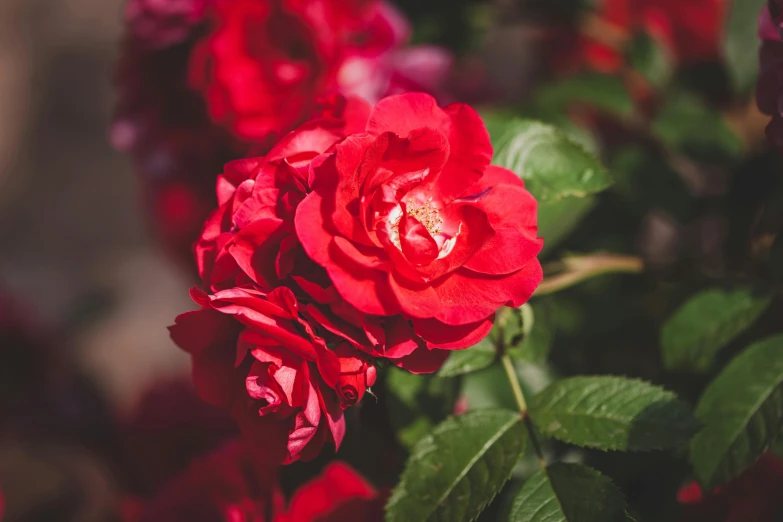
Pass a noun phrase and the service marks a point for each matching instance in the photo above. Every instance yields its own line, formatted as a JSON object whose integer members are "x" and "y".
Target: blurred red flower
{"x": 263, "y": 64}
{"x": 338, "y": 494}
{"x": 223, "y": 487}
{"x": 754, "y": 496}
{"x": 690, "y": 30}
{"x": 167, "y": 429}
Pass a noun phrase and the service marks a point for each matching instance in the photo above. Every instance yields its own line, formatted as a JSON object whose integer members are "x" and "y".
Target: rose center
{"x": 426, "y": 214}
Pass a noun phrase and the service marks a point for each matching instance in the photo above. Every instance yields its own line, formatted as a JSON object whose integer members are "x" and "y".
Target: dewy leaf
{"x": 612, "y": 413}
{"x": 552, "y": 165}
{"x": 707, "y": 322}
{"x": 742, "y": 412}
{"x": 741, "y": 43}
{"x": 454, "y": 472}
{"x": 475, "y": 358}
{"x": 569, "y": 493}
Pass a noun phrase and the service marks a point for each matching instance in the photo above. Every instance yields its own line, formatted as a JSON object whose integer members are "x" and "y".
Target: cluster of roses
{"x": 201, "y": 82}
{"x": 382, "y": 234}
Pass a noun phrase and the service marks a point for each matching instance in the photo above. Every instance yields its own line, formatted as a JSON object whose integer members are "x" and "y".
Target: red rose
{"x": 409, "y": 219}
{"x": 160, "y": 23}
{"x": 754, "y": 496}
{"x": 255, "y": 354}
{"x": 263, "y": 65}
{"x": 339, "y": 494}
{"x": 257, "y": 197}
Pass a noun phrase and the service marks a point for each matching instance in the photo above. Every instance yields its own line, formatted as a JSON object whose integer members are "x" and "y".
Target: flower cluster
{"x": 689, "y": 31}
{"x": 222, "y": 487}
{"x": 769, "y": 93}
{"x": 201, "y": 82}
{"x": 382, "y": 234}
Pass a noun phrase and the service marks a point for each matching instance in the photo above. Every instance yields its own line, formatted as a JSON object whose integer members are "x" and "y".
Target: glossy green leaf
{"x": 741, "y": 43}
{"x": 454, "y": 472}
{"x": 707, "y": 322}
{"x": 612, "y": 413}
{"x": 475, "y": 358}
{"x": 742, "y": 412}
{"x": 552, "y": 164}
{"x": 569, "y": 493}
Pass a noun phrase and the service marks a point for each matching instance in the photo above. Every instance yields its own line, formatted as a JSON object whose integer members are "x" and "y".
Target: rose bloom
{"x": 252, "y": 237}
{"x": 223, "y": 487}
{"x": 385, "y": 233}
{"x": 410, "y": 220}
{"x": 690, "y": 30}
{"x": 769, "y": 90}
{"x": 256, "y": 355}
{"x": 263, "y": 64}
{"x": 754, "y": 496}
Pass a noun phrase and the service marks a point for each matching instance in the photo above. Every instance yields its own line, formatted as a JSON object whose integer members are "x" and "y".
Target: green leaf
{"x": 708, "y": 321}
{"x": 569, "y": 493}
{"x": 650, "y": 59}
{"x": 601, "y": 91}
{"x": 552, "y": 165}
{"x": 475, "y": 358}
{"x": 741, "y": 43}
{"x": 612, "y": 413}
{"x": 454, "y": 472}
{"x": 686, "y": 125}
{"x": 742, "y": 412}
{"x": 417, "y": 402}
{"x": 558, "y": 219}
